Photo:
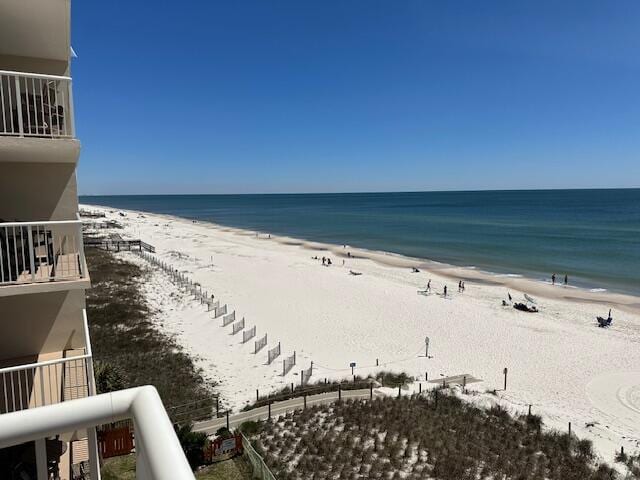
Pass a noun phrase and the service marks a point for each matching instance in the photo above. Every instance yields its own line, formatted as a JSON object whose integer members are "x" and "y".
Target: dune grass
{"x": 123, "y": 337}
{"x": 417, "y": 438}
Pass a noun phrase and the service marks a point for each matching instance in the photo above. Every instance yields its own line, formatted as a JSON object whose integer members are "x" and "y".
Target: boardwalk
{"x": 278, "y": 408}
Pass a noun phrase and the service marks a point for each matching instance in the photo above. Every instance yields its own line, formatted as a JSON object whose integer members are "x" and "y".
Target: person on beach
{"x": 566, "y": 279}
{"x": 328, "y": 262}
{"x": 509, "y": 295}
{"x": 324, "y": 260}
{"x": 553, "y": 279}
{"x": 463, "y": 287}
{"x": 428, "y": 289}
{"x": 459, "y": 286}
{"x": 445, "y": 291}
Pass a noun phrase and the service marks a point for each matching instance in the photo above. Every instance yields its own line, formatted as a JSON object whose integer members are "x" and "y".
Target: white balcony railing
{"x": 49, "y": 382}
{"x": 36, "y": 105}
{"x": 32, "y": 252}
{"x": 159, "y": 455}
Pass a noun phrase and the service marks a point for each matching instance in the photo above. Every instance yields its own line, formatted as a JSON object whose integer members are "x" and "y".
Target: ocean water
{"x": 591, "y": 235}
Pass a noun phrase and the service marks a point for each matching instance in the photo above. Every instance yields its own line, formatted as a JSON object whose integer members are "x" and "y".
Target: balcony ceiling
{"x": 35, "y": 28}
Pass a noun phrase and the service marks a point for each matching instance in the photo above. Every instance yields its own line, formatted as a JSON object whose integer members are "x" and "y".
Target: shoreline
{"x": 511, "y": 281}
{"x": 559, "y": 360}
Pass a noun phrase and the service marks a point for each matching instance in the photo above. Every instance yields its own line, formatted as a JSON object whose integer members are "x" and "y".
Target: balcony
{"x": 34, "y": 107}
{"x": 24, "y": 387}
{"x": 41, "y": 256}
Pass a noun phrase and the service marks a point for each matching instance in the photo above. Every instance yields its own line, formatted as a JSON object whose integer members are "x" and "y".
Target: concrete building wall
{"x": 38, "y": 191}
{"x": 34, "y": 324}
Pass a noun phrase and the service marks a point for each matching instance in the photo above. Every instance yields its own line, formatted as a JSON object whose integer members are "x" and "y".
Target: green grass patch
{"x": 124, "y": 468}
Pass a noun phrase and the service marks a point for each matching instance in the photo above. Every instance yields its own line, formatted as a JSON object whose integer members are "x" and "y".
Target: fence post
{"x": 371, "y": 391}
{"x": 291, "y": 387}
{"x": 339, "y": 392}
{"x": 305, "y": 400}
{"x": 420, "y": 387}
{"x": 257, "y": 395}
{"x": 399, "y": 391}
{"x": 217, "y": 407}
{"x": 269, "y": 409}
{"x": 227, "y": 419}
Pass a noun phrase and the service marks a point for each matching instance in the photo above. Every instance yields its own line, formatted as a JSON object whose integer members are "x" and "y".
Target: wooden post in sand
{"x": 505, "y": 371}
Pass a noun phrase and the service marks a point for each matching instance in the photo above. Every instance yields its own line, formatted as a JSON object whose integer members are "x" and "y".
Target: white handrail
{"x": 46, "y": 363}
{"x": 34, "y": 75}
{"x": 159, "y": 454}
{"x": 45, "y": 222}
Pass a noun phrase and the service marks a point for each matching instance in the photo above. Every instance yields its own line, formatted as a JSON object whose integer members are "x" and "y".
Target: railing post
{"x": 19, "y": 107}
{"x": 32, "y": 262}
{"x": 41, "y": 459}
{"x": 80, "y": 244}
{"x": 72, "y": 121}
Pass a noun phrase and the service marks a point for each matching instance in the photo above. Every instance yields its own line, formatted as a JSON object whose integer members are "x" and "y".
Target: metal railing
{"x": 159, "y": 455}
{"x": 36, "y": 105}
{"x": 32, "y": 252}
{"x": 49, "y": 382}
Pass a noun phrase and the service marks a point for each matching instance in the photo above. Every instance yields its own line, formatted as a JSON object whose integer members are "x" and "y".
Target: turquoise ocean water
{"x": 592, "y": 235}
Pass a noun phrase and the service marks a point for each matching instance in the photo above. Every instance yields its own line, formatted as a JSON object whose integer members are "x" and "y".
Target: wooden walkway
{"x": 118, "y": 244}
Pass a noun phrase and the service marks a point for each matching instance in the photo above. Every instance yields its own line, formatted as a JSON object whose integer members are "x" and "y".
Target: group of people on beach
{"x": 553, "y": 279}
{"x": 326, "y": 261}
{"x": 445, "y": 290}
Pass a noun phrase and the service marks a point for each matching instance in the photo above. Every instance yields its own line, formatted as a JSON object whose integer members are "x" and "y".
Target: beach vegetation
{"x": 414, "y": 437}
{"x": 129, "y": 349}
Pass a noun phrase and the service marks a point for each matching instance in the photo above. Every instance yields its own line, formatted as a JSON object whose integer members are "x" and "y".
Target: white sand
{"x": 559, "y": 360}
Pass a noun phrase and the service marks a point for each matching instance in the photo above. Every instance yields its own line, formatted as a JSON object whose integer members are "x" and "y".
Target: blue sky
{"x": 326, "y": 96}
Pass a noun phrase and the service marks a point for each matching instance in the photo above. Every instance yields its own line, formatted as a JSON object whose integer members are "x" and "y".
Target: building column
{"x": 41, "y": 459}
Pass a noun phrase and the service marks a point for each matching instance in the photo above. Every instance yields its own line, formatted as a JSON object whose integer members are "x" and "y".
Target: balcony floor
{"x": 53, "y": 286}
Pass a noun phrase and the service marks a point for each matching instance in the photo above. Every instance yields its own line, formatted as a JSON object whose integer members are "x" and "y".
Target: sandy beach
{"x": 558, "y": 360}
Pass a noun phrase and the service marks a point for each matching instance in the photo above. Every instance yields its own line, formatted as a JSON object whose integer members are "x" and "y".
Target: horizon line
{"x": 356, "y": 193}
